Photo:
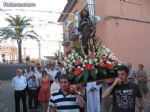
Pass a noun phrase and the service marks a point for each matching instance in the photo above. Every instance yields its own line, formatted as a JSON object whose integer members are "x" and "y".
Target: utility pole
{"x": 59, "y": 50}
{"x": 39, "y": 46}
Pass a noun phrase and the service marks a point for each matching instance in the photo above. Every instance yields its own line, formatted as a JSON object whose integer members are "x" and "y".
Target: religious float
{"x": 91, "y": 61}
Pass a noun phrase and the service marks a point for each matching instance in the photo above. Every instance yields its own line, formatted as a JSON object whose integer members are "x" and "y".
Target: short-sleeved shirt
{"x": 124, "y": 97}
{"x": 64, "y": 103}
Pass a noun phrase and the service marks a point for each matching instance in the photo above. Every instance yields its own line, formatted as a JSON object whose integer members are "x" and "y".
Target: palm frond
{"x": 30, "y": 36}
{"x": 7, "y": 33}
{"x": 31, "y": 32}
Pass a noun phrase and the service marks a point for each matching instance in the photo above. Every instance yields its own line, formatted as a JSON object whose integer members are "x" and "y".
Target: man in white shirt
{"x": 55, "y": 85}
{"x": 19, "y": 83}
{"x": 52, "y": 72}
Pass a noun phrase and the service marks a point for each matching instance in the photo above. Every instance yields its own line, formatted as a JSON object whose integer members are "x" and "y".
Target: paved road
{"x": 7, "y": 99}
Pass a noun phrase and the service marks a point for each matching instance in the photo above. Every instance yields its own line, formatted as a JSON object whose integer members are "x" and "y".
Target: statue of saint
{"x": 85, "y": 29}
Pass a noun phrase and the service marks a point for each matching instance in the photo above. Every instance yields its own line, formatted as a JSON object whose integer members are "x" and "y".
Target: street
{"x": 7, "y": 99}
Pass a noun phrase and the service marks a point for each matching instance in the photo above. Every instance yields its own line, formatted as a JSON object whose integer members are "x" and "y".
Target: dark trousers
{"x": 33, "y": 98}
{"x": 20, "y": 95}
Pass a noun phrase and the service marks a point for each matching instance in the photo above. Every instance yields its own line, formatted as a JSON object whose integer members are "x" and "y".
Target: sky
{"x": 49, "y": 34}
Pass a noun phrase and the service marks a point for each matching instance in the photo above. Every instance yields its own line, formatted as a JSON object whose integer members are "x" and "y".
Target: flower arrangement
{"x": 94, "y": 66}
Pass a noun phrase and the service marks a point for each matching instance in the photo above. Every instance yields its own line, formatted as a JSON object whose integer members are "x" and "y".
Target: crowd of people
{"x": 47, "y": 86}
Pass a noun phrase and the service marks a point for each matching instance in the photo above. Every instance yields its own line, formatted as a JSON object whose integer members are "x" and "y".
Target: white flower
{"x": 69, "y": 56}
{"x": 83, "y": 65}
{"x": 113, "y": 58}
{"x": 76, "y": 54}
{"x": 108, "y": 62}
{"x": 79, "y": 67}
{"x": 73, "y": 60}
{"x": 96, "y": 64}
{"x": 85, "y": 61}
{"x": 82, "y": 69}
{"x": 69, "y": 65}
{"x": 95, "y": 60}
{"x": 108, "y": 50}
{"x": 81, "y": 59}
{"x": 65, "y": 64}
{"x": 65, "y": 58}
{"x": 73, "y": 51}
{"x": 85, "y": 56}
{"x": 90, "y": 61}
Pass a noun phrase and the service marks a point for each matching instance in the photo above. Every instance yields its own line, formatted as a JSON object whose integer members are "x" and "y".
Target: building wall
{"x": 78, "y": 7}
{"x": 10, "y": 53}
{"x": 129, "y": 40}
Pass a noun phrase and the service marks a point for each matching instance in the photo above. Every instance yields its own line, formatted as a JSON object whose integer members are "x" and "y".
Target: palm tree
{"x": 16, "y": 31}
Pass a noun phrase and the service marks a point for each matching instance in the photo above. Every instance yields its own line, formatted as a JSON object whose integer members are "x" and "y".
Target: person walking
{"x": 142, "y": 80}
{"x": 33, "y": 85}
{"x": 63, "y": 100}
{"x": 19, "y": 83}
{"x": 132, "y": 72}
{"x": 124, "y": 92}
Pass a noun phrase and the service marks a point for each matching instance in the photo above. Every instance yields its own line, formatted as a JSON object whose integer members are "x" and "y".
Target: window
{"x": 132, "y": 8}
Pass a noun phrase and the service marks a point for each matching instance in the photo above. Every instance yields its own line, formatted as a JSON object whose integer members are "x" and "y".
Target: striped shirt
{"x": 64, "y": 103}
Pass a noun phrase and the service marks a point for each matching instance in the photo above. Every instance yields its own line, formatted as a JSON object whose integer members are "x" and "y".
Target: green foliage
{"x": 16, "y": 31}
{"x": 27, "y": 59}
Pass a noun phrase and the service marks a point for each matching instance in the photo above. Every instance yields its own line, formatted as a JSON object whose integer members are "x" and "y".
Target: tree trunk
{"x": 19, "y": 52}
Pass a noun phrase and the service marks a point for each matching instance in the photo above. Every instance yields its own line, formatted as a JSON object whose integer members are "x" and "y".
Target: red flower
{"x": 76, "y": 63}
{"x": 109, "y": 66}
{"x": 102, "y": 65}
{"x": 90, "y": 55}
{"x": 77, "y": 72}
{"x": 116, "y": 62}
{"x": 88, "y": 66}
{"x": 104, "y": 58}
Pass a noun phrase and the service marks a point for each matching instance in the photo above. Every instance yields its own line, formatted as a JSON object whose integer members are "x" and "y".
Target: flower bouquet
{"x": 92, "y": 67}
